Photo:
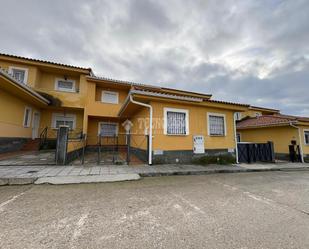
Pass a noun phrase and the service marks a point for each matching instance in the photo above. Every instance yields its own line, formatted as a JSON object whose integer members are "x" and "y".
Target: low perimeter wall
{"x": 74, "y": 150}
{"x": 185, "y": 156}
{"x": 9, "y": 144}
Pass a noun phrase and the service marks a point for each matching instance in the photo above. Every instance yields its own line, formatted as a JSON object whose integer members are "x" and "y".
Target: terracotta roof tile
{"x": 44, "y": 61}
{"x": 298, "y": 118}
{"x": 264, "y": 121}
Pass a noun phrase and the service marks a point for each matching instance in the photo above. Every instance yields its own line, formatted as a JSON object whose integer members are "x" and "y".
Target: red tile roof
{"x": 45, "y": 61}
{"x": 298, "y": 118}
{"x": 265, "y": 120}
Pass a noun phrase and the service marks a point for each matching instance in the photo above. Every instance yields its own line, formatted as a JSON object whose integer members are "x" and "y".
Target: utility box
{"x": 198, "y": 144}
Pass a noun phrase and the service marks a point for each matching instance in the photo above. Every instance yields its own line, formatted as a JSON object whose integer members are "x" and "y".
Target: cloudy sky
{"x": 247, "y": 51}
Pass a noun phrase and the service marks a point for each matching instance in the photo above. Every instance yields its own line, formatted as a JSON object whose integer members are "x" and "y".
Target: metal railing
{"x": 43, "y": 138}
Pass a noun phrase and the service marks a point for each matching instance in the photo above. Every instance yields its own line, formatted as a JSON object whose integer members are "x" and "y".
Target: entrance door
{"x": 35, "y": 125}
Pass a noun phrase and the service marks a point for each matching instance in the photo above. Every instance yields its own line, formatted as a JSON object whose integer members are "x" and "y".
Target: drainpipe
{"x": 300, "y": 143}
{"x": 235, "y": 137}
{"x": 150, "y": 126}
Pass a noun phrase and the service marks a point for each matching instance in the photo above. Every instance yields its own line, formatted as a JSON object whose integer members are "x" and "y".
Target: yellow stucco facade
{"x": 84, "y": 106}
{"x": 281, "y": 136}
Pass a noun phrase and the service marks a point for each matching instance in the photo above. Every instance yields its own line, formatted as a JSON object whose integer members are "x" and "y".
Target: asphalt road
{"x": 247, "y": 210}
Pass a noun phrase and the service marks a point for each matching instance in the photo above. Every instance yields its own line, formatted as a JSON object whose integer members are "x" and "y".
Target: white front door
{"x": 35, "y": 125}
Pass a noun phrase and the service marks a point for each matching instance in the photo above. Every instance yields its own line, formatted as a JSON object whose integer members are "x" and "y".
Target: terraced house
{"x": 165, "y": 125}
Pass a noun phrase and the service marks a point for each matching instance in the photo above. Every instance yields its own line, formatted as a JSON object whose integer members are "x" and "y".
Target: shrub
{"x": 218, "y": 159}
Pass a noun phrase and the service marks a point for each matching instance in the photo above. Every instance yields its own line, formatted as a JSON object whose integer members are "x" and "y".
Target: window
{"x": 65, "y": 85}
{"x": 306, "y": 133}
{"x": 59, "y": 119}
{"x": 109, "y": 97}
{"x": 216, "y": 124}
{"x": 176, "y": 121}
{"x": 237, "y": 116}
{"x": 108, "y": 129}
{"x": 238, "y": 137}
{"x": 20, "y": 74}
{"x": 27, "y": 117}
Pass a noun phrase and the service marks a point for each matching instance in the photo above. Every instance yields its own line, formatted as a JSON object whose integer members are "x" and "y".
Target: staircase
{"x": 32, "y": 145}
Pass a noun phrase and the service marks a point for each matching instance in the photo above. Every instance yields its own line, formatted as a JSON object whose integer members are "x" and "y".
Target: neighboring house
{"x": 282, "y": 130}
{"x": 255, "y": 111}
{"x": 178, "y": 123}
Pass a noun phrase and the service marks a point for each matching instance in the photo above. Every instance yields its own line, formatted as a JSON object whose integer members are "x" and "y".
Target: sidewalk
{"x": 11, "y": 175}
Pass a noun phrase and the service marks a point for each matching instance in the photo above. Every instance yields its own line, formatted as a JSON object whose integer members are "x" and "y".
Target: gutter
{"x": 150, "y": 126}
{"x": 235, "y": 137}
{"x": 300, "y": 142}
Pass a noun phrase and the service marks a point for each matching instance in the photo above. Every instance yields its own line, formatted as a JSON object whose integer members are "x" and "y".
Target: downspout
{"x": 235, "y": 137}
{"x": 300, "y": 142}
{"x": 150, "y": 126}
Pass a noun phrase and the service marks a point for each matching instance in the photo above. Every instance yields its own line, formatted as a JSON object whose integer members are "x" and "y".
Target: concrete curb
{"x": 219, "y": 171}
{"x": 17, "y": 181}
{"x": 60, "y": 180}
{"x": 131, "y": 177}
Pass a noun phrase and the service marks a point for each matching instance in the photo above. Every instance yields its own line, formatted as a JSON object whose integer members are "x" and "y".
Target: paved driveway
{"x": 248, "y": 210}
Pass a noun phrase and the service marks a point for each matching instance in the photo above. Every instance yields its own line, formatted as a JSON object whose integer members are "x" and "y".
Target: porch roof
{"x": 266, "y": 121}
{"x": 9, "y": 83}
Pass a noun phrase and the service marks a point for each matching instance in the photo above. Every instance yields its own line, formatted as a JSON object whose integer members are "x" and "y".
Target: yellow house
{"x": 282, "y": 130}
{"x": 60, "y": 89}
{"x": 166, "y": 125}
{"x": 255, "y": 111}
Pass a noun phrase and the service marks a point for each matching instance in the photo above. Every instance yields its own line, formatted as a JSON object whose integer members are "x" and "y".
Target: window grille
{"x": 108, "y": 130}
{"x": 176, "y": 123}
{"x": 19, "y": 74}
{"x": 216, "y": 125}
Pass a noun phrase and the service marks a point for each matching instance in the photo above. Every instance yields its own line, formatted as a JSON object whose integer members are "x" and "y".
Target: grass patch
{"x": 219, "y": 159}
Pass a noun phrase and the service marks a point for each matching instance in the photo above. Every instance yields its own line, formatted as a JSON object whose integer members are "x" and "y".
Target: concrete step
{"x": 32, "y": 145}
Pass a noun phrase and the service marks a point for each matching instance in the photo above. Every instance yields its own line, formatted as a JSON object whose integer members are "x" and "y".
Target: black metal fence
{"x": 255, "y": 152}
{"x": 122, "y": 149}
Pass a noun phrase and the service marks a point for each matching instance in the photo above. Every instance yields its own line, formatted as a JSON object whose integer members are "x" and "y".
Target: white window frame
{"x": 166, "y": 110}
{"x": 57, "y": 88}
{"x": 208, "y": 123}
{"x": 28, "y": 124}
{"x": 238, "y": 116}
{"x": 111, "y": 92}
{"x": 54, "y": 119}
{"x": 305, "y": 130}
{"x": 11, "y": 68}
{"x": 100, "y": 123}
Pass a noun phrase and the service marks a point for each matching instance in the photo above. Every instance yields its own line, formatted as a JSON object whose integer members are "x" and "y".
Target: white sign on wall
{"x": 198, "y": 144}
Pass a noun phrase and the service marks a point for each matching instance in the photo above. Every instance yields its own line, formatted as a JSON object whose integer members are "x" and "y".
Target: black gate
{"x": 122, "y": 149}
{"x": 255, "y": 152}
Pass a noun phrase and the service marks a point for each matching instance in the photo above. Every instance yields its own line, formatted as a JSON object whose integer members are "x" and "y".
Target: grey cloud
{"x": 246, "y": 51}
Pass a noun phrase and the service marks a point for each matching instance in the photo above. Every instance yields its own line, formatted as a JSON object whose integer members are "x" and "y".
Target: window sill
{"x": 108, "y": 103}
{"x": 64, "y": 91}
{"x": 177, "y": 135}
{"x": 217, "y": 135}
{"x": 53, "y": 128}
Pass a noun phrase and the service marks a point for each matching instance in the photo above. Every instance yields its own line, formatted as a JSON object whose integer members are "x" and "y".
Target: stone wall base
{"x": 140, "y": 154}
{"x": 185, "y": 156}
{"x": 9, "y": 144}
{"x": 72, "y": 155}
